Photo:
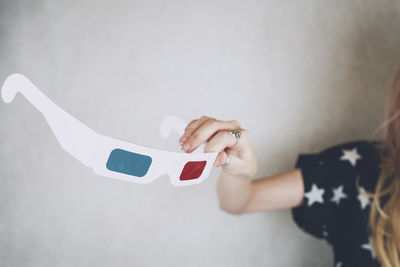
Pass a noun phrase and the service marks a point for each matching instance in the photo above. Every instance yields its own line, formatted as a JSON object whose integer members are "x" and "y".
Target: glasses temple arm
{"x": 75, "y": 137}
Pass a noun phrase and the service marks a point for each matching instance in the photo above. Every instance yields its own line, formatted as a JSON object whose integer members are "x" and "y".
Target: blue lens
{"x": 128, "y": 162}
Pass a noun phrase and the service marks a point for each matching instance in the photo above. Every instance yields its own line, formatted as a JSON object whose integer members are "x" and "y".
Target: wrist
{"x": 249, "y": 172}
{"x": 237, "y": 175}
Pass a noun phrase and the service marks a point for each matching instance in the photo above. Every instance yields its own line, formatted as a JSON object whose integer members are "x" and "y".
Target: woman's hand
{"x": 243, "y": 160}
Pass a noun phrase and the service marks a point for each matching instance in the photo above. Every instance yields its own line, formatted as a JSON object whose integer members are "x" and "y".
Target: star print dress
{"x": 333, "y": 209}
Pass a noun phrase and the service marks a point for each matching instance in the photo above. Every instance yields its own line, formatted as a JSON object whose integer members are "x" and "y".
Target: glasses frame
{"x": 93, "y": 149}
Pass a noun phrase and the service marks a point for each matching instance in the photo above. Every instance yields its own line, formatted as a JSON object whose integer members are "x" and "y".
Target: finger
{"x": 220, "y": 159}
{"x": 207, "y": 130}
{"x": 224, "y": 159}
{"x": 192, "y": 126}
{"x": 220, "y": 141}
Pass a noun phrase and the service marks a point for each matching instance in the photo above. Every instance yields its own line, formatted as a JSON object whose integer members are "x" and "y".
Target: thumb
{"x": 222, "y": 157}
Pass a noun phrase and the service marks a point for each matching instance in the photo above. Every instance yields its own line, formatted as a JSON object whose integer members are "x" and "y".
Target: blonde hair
{"x": 384, "y": 217}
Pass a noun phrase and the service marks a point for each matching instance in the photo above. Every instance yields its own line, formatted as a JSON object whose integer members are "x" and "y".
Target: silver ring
{"x": 227, "y": 161}
{"x": 236, "y": 134}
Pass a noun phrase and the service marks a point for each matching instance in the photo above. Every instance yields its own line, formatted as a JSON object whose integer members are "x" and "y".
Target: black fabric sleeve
{"x": 329, "y": 179}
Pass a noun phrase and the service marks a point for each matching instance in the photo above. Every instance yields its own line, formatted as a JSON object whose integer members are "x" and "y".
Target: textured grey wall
{"x": 300, "y": 75}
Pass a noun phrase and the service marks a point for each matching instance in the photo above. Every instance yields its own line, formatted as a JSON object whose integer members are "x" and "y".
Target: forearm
{"x": 234, "y": 192}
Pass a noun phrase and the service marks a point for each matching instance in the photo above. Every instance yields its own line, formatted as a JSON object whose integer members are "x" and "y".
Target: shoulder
{"x": 344, "y": 160}
{"x": 330, "y": 192}
{"x": 357, "y": 153}
{"x": 352, "y": 155}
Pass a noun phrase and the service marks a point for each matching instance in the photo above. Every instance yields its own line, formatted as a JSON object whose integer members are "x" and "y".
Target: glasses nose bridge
{"x": 175, "y": 165}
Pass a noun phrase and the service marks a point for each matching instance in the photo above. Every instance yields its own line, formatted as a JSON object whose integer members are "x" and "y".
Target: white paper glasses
{"x": 111, "y": 157}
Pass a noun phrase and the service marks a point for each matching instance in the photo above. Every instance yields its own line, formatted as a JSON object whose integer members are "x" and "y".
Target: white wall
{"x": 299, "y": 75}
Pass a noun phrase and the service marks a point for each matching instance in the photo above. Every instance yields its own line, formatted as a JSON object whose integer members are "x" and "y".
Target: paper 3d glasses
{"x": 111, "y": 157}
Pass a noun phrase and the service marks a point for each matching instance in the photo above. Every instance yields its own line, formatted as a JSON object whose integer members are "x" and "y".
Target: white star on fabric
{"x": 351, "y": 155}
{"x": 368, "y": 246}
{"x": 339, "y": 264}
{"x": 315, "y": 195}
{"x": 362, "y": 198}
{"x": 338, "y": 194}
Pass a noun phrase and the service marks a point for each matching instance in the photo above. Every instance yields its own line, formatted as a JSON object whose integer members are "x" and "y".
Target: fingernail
{"x": 183, "y": 139}
{"x": 186, "y": 147}
{"x": 216, "y": 163}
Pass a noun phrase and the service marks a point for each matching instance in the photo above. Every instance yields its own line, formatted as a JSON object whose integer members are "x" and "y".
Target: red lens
{"x": 192, "y": 170}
